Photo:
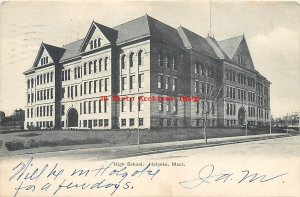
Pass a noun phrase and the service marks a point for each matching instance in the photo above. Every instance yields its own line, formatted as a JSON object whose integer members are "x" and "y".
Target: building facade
{"x": 106, "y": 80}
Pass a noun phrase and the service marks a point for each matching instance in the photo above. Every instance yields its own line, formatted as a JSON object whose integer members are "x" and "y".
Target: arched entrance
{"x": 72, "y": 118}
{"x": 241, "y": 116}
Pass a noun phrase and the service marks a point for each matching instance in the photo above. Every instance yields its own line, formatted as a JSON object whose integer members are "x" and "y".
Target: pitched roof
{"x": 193, "y": 40}
{"x": 72, "y": 49}
{"x": 147, "y": 26}
{"x": 55, "y": 52}
{"x": 230, "y": 45}
{"x": 109, "y": 33}
{"x": 216, "y": 47}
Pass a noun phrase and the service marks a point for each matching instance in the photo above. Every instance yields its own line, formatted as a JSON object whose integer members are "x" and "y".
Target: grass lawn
{"x": 36, "y": 139}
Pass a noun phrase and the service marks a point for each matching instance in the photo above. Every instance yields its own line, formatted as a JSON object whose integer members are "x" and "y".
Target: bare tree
{"x": 212, "y": 92}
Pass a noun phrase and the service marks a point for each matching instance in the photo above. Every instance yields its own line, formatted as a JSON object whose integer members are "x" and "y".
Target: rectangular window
{"x": 106, "y": 84}
{"x": 105, "y": 106}
{"x": 124, "y": 83}
{"x": 168, "y": 108}
{"x": 161, "y": 122}
{"x": 161, "y": 105}
{"x": 168, "y": 121}
{"x": 131, "y": 109}
{"x": 90, "y": 87}
{"x": 90, "y": 107}
{"x": 76, "y": 86}
{"x": 197, "y": 86}
{"x": 174, "y": 84}
{"x": 131, "y": 122}
{"x": 159, "y": 81}
{"x": 123, "y": 106}
{"x": 95, "y": 106}
{"x": 131, "y": 82}
{"x": 167, "y": 82}
{"x": 99, "y": 106}
{"x": 123, "y": 122}
{"x": 175, "y": 107}
{"x": 141, "y": 80}
{"x": 68, "y": 92}
{"x": 141, "y": 121}
{"x": 95, "y": 86}
{"x": 106, "y": 122}
{"x": 51, "y": 110}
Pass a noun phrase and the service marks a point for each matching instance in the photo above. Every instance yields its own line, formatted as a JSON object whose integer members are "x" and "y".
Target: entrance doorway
{"x": 72, "y": 118}
{"x": 241, "y": 116}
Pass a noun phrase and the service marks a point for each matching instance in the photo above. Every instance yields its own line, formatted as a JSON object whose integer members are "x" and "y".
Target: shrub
{"x": 14, "y": 145}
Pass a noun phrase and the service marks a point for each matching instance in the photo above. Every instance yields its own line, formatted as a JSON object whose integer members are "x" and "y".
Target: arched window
{"x": 168, "y": 61}
{"x": 197, "y": 68}
{"x": 105, "y": 63}
{"x": 99, "y": 42}
{"x": 131, "y": 59}
{"x": 78, "y": 74}
{"x": 123, "y": 61}
{"x": 100, "y": 64}
{"x": 84, "y": 69}
{"x": 91, "y": 44}
{"x": 90, "y": 67}
{"x": 75, "y": 73}
{"x": 140, "y": 57}
{"x": 95, "y": 43}
{"x": 95, "y": 66}
{"x": 160, "y": 59}
{"x": 174, "y": 63}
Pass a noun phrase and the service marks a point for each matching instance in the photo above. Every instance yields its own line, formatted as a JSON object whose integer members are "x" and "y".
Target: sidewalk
{"x": 134, "y": 150}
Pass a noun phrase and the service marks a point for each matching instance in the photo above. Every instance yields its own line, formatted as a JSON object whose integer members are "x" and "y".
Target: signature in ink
{"x": 207, "y": 175}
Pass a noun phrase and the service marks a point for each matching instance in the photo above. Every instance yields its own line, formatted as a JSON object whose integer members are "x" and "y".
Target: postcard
{"x": 149, "y": 98}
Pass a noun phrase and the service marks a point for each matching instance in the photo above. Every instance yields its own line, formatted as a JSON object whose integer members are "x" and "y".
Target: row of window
{"x": 168, "y": 106}
{"x": 44, "y": 60}
{"x": 165, "y": 84}
{"x": 94, "y": 123}
{"x": 87, "y": 68}
{"x": 96, "y": 106}
{"x": 95, "y": 43}
{"x": 241, "y": 94}
{"x": 131, "y": 122}
{"x": 132, "y": 79}
{"x": 88, "y": 87}
{"x": 208, "y": 72}
{"x": 205, "y": 88}
{"x": 168, "y": 122}
{"x": 209, "y": 123}
{"x": 40, "y": 95}
{"x": 251, "y": 111}
{"x": 41, "y": 124}
{"x": 131, "y": 59}
{"x": 170, "y": 63}
{"x": 40, "y": 79}
{"x": 230, "y": 109}
{"x": 41, "y": 111}
{"x": 208, "y": 108}
{"x": 241, "y": 78}
{"x": 131, "y": 106}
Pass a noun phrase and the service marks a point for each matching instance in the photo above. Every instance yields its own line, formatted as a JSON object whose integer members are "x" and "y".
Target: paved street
{"x": 279, "y": 147}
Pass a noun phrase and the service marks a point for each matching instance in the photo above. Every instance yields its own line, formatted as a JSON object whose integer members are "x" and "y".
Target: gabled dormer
{"x": 237, "y": 51}
{"x": 97, "y": 37}
{"x": 48, "y": 55}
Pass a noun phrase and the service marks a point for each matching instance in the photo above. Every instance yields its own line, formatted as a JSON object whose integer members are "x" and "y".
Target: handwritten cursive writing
{"x": 207, "y": 175}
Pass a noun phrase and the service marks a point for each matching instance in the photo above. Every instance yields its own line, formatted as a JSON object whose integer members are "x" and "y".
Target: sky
{"x": 271, "y": 30}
